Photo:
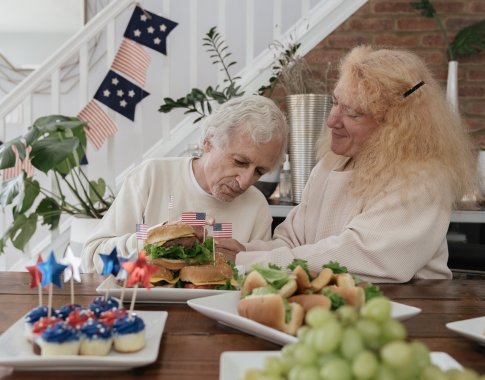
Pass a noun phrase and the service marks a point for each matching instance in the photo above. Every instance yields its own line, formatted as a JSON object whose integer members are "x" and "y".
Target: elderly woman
{"x": 380, "y": 198}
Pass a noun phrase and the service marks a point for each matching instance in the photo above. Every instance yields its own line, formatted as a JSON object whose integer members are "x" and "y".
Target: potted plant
{"x": 54, "y": 145}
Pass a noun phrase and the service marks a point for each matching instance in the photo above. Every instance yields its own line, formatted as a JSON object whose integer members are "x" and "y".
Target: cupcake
{"x": 60, "y": 339}
{"x": 64, "y": 311}
{"x": 110, "y": 316}
{"x": 96, "y": 338}
{"x": 129, "y": 333}
{"x": 79, "y": 317}
{"x": 39, "y": 328}
{"x": 102, "y": 304}
{"x": 33, "y": 316}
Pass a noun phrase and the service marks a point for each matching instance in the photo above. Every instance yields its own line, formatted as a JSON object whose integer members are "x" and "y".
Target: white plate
{"x": 471, "y": 328}
{"x": 16, "y": 351}
{"x": 234, "y": 363}
{"x": 223, "y": 308}
{"x": 155, "y": 294}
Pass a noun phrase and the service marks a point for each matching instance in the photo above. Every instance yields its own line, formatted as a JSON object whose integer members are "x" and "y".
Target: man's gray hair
{"x": 257, "y": 116}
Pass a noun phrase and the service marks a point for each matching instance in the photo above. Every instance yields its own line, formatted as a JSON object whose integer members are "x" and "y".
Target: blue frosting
{"x": 128, "y": 324}
{"x": 35, "y": 314}
{"x": 93, "y": 329}
{"x": 65, "y": 310}
{"x": 102, "y": 304}
{"x": 60, "y": 333}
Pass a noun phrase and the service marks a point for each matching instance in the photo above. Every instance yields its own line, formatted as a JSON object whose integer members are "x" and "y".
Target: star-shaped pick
{"x": 35, "y": 273}
{"x": 139, "y": 271}
{"x": 111, "y": 263}
{"x": 123, "y": 274}
{"x": 51, "y": 271}
{"x": 73, "y": 263}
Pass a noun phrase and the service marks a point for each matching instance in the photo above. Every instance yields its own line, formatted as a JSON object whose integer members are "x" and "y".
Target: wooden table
{"x": 192, "y": 343}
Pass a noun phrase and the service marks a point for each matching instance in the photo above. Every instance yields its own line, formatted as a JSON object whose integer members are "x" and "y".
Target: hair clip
{"x": 411, "y": 90}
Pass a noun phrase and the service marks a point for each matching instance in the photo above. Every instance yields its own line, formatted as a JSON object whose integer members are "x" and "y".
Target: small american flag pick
{"x": 100, "y": 126}
{"x": 132, "y": 60}
{"x": 141, "y": 231}
{"x": 171, "y": 202}
{"x": 149, "y": 29}
{"x": 193, "y": 218}
{"x": 119, "y": 94}
{"x": 222, "y": 230}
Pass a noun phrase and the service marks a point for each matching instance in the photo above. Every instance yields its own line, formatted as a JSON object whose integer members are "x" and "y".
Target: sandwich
{"x": 184, "y": 260}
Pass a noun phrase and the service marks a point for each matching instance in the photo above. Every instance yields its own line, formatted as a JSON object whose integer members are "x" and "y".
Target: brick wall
{"x": 394, "y": 23}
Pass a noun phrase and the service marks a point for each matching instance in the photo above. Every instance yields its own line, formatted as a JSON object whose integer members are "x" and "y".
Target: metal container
{"x": 307, "y": 116}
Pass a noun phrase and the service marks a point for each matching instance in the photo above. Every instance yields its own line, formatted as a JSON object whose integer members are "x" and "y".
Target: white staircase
{"x": 248, "y": 27}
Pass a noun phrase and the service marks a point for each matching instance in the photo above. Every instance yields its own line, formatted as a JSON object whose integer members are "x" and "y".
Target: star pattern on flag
{"x": 51, "y": 271}
{"x": 35, "y": 273}
{"x": 149, "y": 29}
{"x": 73, "y": 263}
{"x": 111, "y": 263}
{"x": 112, "y": 92}
{"x": 139, "y": 271}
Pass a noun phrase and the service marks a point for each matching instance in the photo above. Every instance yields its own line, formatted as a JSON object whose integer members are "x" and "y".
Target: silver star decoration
{"x": 163, "y": 28}
{"x": 107, "y": 93}
{"x": 120, "y": 93}
{"x": 131, "y": 93}
{"x": 115, "y": 81}
{"x": 143, "y": 17}
{"x": 157, "y": 41}
{"x": 123, "y": 103}
{"x": 73, "y": 263}
{"x": 137, "y": 33}
{"x": 150, "y": 29}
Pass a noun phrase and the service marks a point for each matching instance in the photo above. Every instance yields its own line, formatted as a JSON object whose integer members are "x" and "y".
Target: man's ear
{"x": 207, "y": 145}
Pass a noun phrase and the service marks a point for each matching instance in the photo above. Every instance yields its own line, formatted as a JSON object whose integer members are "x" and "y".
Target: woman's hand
{"x": 229, "y": 248}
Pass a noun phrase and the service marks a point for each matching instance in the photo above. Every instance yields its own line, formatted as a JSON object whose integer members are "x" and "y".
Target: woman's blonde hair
{"x": 420, "y": 141}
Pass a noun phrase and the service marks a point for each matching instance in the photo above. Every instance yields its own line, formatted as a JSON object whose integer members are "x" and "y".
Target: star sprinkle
{"x": 73, "y": 263}
{"x": 139, "y": 271}
{"x": 35, "y": 273}
{"x": 51, "y": 271}
{"x": 111, "y": 263}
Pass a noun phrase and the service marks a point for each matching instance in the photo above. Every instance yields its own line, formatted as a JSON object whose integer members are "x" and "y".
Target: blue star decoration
{"x": 149, "y": 29}
{"x": 119, "y": 94}
{"x": 111, "y": 263}
{"x": 51, "y": 271}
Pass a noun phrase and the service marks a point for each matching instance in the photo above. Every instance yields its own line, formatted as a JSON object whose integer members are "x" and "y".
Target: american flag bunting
{"x": 15, "y": 170}
{"x": 99, "y": 127}
{"x": 193, "y": 218}
{"x": 222, "y": 230}
{"x": 132, "y": 60}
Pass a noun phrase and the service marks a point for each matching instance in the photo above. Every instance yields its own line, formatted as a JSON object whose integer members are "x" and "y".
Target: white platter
{"x": 16, "y": 351}
{"x": 234, "y": 363}
{"x": 155, "y": 294}
{"x": 223, "y": 308}
{"x": 473, "y": 328}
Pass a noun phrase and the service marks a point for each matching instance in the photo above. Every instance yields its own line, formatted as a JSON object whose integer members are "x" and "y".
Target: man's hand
{"x": 229, "y": 248}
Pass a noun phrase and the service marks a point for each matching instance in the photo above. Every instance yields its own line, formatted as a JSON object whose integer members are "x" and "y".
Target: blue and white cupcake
{"x": 101, "y": 304}
{"x": 33, "y": 316}
{"x": 96, "y": 338}
{"x": 60, "y": 339}
{"x": 64, "y": 311}
{"x": 129, "y": 333}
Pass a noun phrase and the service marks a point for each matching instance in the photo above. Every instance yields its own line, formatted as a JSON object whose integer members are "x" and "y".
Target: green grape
{"x": 365, "y": 365}
{"x": 318, "y": 316}
{"x": 302, "y": 331}
{"x": 393, "y": 330}
{"x": 324, "y": 359}
{"x": 274, "y": 366}
{"x": 385, "y": 373}
{"x": 351, "y": 343}
{"x": 327, "y": 337}
{"x": 337, "y": 369}
{"x": 305, "y": 355}
{"x": 397, "y": 354}
{"x": 347, "y": 315}
{"x": 257, "y": 374}
{"x": 466, "y": 374}
{"x": 370, "y": 332}
{"x": 377, "y": 309}
{"x": 300, "y": 372}
{"x": 432, "y": 372}
{"x": 422, "y": 358}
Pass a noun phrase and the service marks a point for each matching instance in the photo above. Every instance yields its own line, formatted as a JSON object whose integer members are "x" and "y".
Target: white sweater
{"x": 383, "y": 241}
{"x": 146, "y": 192}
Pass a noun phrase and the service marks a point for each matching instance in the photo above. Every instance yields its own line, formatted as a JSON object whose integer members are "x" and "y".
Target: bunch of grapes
{"x": 348, "y": 344}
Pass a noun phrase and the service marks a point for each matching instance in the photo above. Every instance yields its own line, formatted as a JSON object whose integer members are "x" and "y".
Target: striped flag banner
{"x": 193, "y": 218}
{"x": 171, "y": 202}
{"x": 15, "y": 170}
{"x": 100, "y": 126}
{"x": 141, "y": 231}
{"x": 222, "y": 230}
{"x": 132, "y": 60}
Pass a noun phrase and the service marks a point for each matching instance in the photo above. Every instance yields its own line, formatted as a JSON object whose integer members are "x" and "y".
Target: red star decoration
{"x": 35, "y": 273}
{"x": 139, "y": 271}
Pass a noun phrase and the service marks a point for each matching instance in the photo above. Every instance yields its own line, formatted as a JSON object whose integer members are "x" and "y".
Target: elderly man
{"x": 243, "y": 140}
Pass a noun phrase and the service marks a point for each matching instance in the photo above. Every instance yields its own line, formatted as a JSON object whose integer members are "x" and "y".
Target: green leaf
{"x": 12, "y": 191}
{"x": 335, "y": 267}
{"x": 31, "y": 191}
{"x": 22, "y": 230}
{"x": 470, "y": 40}
{"x": 49, "y": 152}
{"x": 274, "y": 277}
{"x": 95, "y": 188}
{"x": 50, "y": 211}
